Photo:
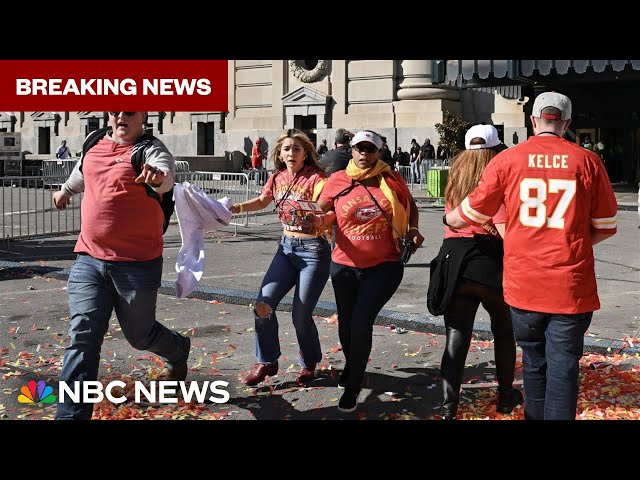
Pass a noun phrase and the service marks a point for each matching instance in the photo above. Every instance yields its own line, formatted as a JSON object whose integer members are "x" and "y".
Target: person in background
{"x": 385, "y": 154}
{"x": 322, "y": 149}
{"x": 400, "y": 158}
{"x": 559, "y": 203}
{"x": 366, "y": 269}
{"x": 257, "y": 158}
{"x": 301, "y": 261}
{"x": 338, "y": 158}
{"x": 414, "y": 159}
{"x": 443, "y": 153}
{"x": 586, "y": 143}
{"x": 427, "y": 153}
{"x": 63, "y": 152}
{"x": 119, "y": 263}
{"x": 478, "y": 280}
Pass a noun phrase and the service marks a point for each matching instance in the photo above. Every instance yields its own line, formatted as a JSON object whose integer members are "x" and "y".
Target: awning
{"x": 491, "y": 73}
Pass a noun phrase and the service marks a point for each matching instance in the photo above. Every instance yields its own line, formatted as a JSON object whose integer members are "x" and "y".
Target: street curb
{"x": 406, "y": 321}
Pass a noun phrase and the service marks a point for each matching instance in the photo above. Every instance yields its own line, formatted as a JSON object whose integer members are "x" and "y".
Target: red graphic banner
{"x": 103, "y": 85}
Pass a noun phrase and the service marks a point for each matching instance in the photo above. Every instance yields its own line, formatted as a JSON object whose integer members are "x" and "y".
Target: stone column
{"x": 416, "y": 83}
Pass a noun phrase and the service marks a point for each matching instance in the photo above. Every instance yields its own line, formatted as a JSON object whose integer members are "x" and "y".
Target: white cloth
{"x": 195, "y": 211}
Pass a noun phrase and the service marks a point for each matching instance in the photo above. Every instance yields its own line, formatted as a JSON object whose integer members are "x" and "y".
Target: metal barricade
{"x": 431, "y": 180}
{"x": 182, "y": 166}
{"x": 28, "y": 211}
{"x": 56, "y": 172}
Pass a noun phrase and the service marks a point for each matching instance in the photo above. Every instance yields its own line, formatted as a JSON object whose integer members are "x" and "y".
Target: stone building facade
{"x": 397, "y": 98}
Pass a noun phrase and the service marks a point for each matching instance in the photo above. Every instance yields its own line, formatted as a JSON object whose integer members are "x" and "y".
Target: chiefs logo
{"x": 367, "y": 213}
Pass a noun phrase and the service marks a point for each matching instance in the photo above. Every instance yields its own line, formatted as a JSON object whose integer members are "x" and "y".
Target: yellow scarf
{"x": 400, "y": 216}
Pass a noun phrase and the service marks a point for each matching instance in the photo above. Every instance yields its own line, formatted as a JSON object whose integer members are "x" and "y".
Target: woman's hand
{"x": 236, "y": 208}
{"x": 415, "y": 236}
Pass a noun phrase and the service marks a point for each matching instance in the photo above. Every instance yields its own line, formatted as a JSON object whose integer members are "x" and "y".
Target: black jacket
{"x": 335, "y": 160}
{"x": 477, "y": 258}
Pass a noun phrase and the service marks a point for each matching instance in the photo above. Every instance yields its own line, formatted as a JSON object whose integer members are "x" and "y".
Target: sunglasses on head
{"x": 365, "y": 148}
{"x": 128, "y": 114}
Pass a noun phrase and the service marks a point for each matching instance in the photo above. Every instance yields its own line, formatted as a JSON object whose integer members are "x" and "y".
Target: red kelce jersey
{"x": 556, "y": 195}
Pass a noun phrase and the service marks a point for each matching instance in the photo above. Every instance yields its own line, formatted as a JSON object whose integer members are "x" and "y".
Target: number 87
{"x": 539, "y": 218}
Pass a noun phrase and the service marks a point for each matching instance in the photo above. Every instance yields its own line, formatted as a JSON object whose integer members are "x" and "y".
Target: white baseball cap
{"x": 552, "y": 99}
{"x": 487, "y": 132}
{"x": 367, "y": 136}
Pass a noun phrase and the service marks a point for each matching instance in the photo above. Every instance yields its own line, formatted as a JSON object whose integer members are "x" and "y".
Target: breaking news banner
{"x": 136, "y": 85}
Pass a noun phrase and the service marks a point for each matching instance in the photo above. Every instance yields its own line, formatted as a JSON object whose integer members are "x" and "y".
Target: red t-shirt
{"x": 556, "y": 195}
{"x": 364, "y": 237}
{"x": 305, "y": 186}
{"x": 120, "y": 222}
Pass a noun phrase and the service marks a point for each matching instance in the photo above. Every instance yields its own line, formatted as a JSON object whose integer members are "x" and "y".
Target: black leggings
{"x": 360, "y": 295}
{"x": 458, "y": 320}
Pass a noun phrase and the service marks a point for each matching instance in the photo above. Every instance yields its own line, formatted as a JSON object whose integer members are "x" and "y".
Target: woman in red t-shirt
{"x": 366, "y": 269}
{"x": 301, "y": 261}
{"x": 478, "y": 253}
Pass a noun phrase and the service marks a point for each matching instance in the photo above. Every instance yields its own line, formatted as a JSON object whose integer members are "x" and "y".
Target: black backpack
{"x": 137, "y": 159}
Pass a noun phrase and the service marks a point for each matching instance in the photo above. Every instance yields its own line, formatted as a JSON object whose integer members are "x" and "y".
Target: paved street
{"x": 402, "y": 379}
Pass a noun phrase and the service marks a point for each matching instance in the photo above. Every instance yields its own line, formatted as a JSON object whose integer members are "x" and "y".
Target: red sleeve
{"x": 604, "y": 206}
{"x": 268, "y": 189}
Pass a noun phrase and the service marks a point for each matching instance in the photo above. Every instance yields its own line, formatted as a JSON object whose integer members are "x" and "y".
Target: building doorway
{"x": 206, "y": 132}
{"x": 44, "y": 140}
{"x": 308, "y": 124}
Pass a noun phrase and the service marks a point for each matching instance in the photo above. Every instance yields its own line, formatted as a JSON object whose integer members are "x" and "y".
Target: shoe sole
{"x": 347, "y": 410}
{"x": 258, "y": 384}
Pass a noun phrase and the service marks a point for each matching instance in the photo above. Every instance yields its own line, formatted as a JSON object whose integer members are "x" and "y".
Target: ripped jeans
{"x": 302, "y": 263}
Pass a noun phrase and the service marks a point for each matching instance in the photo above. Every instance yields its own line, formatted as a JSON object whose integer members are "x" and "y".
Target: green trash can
{"x": 437, "y": 181}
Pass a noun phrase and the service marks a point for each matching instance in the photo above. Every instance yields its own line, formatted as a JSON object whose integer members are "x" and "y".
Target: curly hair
{"x": 465, "y": 174}
{"x": 310, "y": 154}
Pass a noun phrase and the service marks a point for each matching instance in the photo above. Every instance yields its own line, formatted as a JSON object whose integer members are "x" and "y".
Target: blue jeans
{"x": 551, "y": 346}
{"x": 360, "y": 295}
{"x": 260, "y": 175}
{"x": 415, "y": 171}
{"x": 96, "y": 288}
{"x": 302, "y": 263}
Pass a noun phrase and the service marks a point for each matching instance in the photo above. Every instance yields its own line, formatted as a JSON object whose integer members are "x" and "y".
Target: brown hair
{"x": 465, "y": 174}
{"x": 310, "y": 154}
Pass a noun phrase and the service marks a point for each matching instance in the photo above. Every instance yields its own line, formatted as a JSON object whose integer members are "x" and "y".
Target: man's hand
{"x": 150, "y": 175}
{"x": 60, "y": 200}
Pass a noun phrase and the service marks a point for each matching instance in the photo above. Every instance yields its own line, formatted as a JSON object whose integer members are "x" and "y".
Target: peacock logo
{"x": 38, "y": 392}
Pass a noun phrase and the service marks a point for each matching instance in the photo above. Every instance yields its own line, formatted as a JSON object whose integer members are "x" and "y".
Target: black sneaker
{"x": 349, "y": 400}
{"x": 508, "y": 399}
{"x": 178, "y": 371}
{"x": 344, "y": 376}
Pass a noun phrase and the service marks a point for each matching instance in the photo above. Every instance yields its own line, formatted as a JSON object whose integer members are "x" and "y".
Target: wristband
{"x": 413, "y": 228}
